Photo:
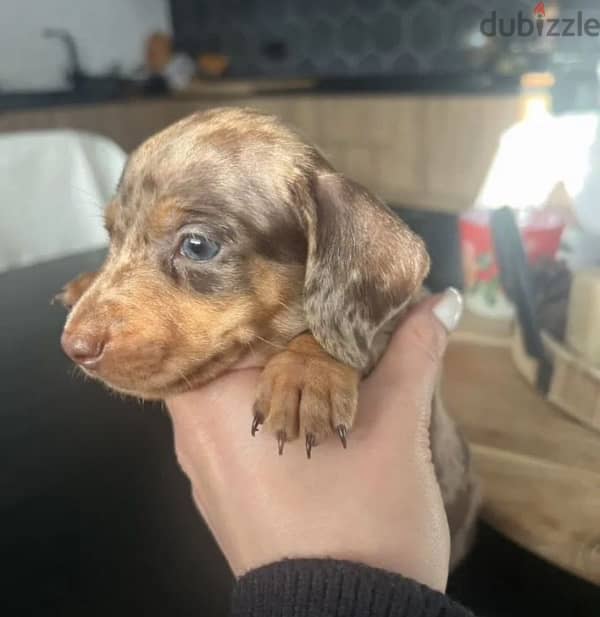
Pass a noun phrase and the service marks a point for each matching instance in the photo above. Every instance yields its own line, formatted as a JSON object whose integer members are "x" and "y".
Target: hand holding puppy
{"x": 377, "y": 502}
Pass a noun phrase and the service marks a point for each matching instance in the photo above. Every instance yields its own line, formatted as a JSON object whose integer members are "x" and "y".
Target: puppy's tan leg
{"x": 74, "y": 289}
{"x": 304, "y": 392}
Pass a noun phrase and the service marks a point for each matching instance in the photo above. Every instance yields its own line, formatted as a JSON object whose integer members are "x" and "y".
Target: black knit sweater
{"x": 328, "y": 588}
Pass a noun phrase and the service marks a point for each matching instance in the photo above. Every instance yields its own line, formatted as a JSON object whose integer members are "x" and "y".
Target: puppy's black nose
{"x": 84, "y": 349}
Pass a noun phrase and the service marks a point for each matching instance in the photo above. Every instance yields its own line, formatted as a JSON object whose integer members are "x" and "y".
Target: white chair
{"x": 53, "y": 187}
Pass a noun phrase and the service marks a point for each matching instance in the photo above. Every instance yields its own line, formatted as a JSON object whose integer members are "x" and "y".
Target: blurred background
{"x": 477, "y": 122}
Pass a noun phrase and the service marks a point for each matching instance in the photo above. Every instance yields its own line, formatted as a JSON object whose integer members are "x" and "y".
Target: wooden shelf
{"x": 540, "y": 470}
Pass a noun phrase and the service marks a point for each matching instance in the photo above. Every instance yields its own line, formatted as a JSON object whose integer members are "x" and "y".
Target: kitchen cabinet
{"x": 419, "y": 151}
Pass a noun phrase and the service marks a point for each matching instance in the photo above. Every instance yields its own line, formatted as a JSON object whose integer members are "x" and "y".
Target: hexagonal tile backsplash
{"x": 341, "y": 37}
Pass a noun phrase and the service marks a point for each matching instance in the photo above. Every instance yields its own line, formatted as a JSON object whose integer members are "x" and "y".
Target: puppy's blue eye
{"x": 198, "y": 248}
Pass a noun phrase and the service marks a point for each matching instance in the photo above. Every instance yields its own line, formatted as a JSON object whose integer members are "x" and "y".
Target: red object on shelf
{"x": 541, "y": 231}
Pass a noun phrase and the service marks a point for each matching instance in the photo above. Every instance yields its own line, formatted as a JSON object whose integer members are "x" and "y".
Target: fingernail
{"x": 449, "y": 308}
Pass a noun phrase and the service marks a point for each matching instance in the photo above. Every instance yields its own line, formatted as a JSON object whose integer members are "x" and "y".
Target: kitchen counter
{"x": 19, "y": 101}
{"x": 473, "y": 83}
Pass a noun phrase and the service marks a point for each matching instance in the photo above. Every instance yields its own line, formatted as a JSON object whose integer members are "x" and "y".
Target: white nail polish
{"x": 449, "y": 308}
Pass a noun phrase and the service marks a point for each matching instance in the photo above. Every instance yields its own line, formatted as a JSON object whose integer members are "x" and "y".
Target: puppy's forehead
{"x": 222, "y": 146}
{"x": 223, "y": 159}
{"x": 238, "y": 171}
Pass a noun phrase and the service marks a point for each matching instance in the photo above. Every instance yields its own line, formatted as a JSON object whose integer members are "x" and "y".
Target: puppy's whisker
{"x": 187, "y": 381}
{"x": 77, "y": 373}
{"x": 275, "y": 345}
{"x": 249, "y": 346}
{"x": 285, "y": 306}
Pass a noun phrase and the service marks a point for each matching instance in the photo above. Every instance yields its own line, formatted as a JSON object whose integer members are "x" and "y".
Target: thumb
{"x": 415, "y": 351}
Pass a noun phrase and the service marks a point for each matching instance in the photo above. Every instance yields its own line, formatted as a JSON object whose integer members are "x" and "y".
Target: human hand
{"x": 378, "y": 502}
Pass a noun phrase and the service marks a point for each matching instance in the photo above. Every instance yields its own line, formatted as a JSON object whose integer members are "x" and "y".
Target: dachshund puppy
{"x": 229, "y": 234}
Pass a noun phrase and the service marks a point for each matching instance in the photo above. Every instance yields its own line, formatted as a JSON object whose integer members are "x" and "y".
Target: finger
{"x": 415, "y": 351}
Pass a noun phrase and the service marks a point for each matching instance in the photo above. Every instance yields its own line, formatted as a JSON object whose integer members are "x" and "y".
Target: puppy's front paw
{"x": 304, "y": 392}
{"x": 74, "y": 289}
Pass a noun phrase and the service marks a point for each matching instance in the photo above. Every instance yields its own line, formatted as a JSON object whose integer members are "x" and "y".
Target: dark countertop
{"x": 97, "y": 519}
{"x": 467, "y": 84}
{"x": 91, "y": 91}
{"x": 41, "y": 100}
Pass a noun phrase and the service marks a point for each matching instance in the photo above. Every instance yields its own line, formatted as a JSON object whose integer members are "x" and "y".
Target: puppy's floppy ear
{"x": 364, "y": 265}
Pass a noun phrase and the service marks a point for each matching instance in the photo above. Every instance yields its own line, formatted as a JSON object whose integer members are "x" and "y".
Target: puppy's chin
{"x": 149, "y": 388}
{"x": 161, "y": 384}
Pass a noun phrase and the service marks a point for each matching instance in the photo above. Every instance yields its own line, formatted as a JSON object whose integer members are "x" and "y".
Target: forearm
{"x": 324, "y": 588}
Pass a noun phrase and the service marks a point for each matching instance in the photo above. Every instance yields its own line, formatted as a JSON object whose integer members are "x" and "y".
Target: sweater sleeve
{"x": 329, "y": 588}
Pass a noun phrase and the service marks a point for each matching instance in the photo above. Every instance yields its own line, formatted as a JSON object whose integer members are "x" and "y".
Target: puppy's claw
{"x": 342, "y": 431}
{"x": 310, "y": 442}
{"x": 256, "y": 422}
{"x": 281, "y": 439}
